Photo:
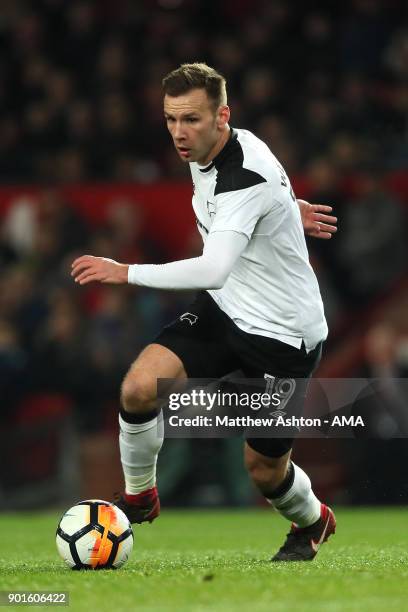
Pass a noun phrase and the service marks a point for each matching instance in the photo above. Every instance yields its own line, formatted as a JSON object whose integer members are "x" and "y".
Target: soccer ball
{"x": 94, "y": 534}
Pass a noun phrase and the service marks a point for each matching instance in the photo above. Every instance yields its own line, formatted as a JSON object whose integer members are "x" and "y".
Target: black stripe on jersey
{"x": 208, "y": 168}
{"x": 202, "y": 226}
{"x": 232, "y": 176}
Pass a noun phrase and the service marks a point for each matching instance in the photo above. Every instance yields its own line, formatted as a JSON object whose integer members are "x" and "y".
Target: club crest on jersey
{"x": 211, "y": 208}
{"x": 188, "y": 316}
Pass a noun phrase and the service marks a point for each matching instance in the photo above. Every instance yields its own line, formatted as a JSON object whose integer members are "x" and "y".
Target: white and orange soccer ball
{"x": 94, "y": 534}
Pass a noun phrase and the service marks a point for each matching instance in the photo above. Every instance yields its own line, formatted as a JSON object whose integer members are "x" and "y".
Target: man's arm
{"x": 316, "y": 220}
{"x": 209, "y": 271}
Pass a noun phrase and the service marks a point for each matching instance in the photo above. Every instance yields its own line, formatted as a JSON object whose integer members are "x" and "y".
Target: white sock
{"x": 139, "y": 445}
{"x": 299, "y": 504}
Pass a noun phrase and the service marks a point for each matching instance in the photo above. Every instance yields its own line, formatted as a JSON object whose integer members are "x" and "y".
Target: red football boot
{"x": 303, "y": 543}
{"x": 139, "y": 508}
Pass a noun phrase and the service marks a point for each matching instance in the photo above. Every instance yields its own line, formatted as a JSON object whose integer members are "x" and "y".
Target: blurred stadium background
{"x": 86, "y": 166}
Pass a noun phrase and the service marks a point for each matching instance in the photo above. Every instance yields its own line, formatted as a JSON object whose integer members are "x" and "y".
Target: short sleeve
{"x": 239, "y": 210}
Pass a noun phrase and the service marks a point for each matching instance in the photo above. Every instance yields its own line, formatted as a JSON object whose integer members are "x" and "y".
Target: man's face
{"x": 196, "y": 128}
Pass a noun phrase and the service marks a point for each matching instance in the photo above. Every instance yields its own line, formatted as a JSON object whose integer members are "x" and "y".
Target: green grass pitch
{"x": 219, "y": 560}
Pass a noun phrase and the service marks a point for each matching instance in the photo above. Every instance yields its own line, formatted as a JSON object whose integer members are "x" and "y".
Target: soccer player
{"x": 258, "y": 306}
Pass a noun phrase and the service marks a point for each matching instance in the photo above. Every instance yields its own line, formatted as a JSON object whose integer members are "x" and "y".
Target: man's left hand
{"x": 317, "y": 221}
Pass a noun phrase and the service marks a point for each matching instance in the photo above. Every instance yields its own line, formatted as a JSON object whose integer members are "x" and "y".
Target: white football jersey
{"x": 272, "y": 290}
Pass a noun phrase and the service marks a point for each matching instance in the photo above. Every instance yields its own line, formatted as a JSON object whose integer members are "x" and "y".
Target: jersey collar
{"x": 222, "y": 154}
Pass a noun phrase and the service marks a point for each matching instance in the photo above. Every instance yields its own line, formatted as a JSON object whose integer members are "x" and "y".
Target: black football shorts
{"x": 210, "y": 345}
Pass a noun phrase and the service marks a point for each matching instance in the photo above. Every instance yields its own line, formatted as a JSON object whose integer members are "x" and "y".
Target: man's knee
{"x": 266, "y": 472}
{"x": 139, "y": 388}
{"x": 138, "y": 392}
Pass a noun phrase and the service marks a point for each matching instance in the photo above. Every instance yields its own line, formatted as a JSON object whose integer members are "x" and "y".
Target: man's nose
{"x": 178, "y": 131}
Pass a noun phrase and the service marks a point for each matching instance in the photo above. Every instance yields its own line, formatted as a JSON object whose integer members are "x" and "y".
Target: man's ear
{"x": 223, "y": 116}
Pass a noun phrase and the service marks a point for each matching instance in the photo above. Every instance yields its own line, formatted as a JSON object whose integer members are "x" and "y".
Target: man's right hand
{"x": 88, "y": 268}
